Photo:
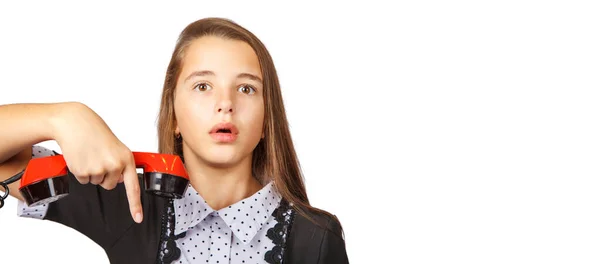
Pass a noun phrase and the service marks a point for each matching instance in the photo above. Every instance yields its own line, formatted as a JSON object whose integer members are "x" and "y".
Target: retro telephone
{"x": 45, "y": 179}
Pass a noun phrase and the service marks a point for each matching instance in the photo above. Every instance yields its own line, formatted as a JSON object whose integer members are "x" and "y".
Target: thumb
{"x": 132, "y": 187}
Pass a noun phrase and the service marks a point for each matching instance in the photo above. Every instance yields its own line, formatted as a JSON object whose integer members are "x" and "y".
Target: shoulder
{"x": 319, "y": 219}
{"x": 316, "y": 237}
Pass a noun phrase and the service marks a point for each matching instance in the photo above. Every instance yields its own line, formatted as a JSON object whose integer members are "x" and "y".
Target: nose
{"x": 224, "y": 104}
{"x": 225, "y": 108}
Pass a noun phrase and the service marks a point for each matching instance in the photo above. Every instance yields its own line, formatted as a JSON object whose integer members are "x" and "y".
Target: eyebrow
{"x": 207, "y": 73}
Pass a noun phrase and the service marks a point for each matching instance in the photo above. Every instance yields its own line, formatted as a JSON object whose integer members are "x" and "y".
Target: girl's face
{"x": 219, "y": 101}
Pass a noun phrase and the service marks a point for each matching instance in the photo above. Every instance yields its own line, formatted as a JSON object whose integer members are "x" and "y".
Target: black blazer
{"x": 104, "y": 217}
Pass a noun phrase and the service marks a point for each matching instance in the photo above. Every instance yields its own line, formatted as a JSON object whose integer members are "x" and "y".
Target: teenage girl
{"x": 222, "y": 112}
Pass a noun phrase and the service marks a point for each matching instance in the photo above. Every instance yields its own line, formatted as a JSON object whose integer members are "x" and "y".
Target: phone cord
{"x": 4, "y": 184}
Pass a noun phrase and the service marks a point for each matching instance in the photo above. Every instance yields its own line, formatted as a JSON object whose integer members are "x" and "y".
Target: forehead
{"x": 223, "y": 56}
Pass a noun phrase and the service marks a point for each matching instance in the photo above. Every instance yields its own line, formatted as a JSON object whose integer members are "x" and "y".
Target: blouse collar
{"x": 245, "y": 218}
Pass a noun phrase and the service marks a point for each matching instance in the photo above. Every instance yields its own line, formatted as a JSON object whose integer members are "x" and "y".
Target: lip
{"x": 224, "y": 137}
{"x": 231, "y": 127}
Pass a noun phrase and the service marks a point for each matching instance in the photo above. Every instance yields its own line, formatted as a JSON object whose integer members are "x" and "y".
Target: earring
{"x": 178, "y": 135}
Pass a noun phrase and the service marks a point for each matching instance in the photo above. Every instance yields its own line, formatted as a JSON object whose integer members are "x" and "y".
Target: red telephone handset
{"x": 45, "y": 179}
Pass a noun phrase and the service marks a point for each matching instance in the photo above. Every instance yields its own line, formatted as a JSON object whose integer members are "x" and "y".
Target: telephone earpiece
{"x": 46, "y": 179}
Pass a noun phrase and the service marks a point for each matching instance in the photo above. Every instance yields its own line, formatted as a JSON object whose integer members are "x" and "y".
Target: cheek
{"x": 255, "y": 121}
{"x": 192, "y": 115}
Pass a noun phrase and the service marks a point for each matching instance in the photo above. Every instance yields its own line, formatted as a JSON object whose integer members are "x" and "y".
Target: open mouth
{"x": 224, "y": 130}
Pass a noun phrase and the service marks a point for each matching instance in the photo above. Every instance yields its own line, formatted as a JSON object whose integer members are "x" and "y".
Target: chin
{"x": 221, "y": 162}
{"x": 221, "y": 157}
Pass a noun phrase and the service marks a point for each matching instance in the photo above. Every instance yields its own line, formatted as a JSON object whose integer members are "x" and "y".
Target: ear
{"x": 177, "y": 130}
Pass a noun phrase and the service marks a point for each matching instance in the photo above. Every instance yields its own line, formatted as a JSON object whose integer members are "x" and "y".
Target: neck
{"x": 222, "y": 186}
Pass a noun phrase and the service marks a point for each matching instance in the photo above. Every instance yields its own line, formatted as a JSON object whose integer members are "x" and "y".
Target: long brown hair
{"x": 274, "y": 158}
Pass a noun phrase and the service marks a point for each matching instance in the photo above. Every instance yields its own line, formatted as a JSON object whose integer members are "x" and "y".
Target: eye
{"x": 202, "y": 87}
{"x": 247, "y": 89}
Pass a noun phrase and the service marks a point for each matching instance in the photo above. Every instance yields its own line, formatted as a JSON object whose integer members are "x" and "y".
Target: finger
{"x": 96, "y": 179}
{"x": 111, "y": 179}
{"x": 132, "y": 187}
{"x": 83, "y": 179}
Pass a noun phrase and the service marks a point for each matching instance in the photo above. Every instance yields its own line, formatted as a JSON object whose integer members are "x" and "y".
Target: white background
{"x": 438, "y": 132}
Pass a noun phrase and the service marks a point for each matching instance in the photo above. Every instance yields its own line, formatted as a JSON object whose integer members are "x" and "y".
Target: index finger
{"x": 132, "y": 187}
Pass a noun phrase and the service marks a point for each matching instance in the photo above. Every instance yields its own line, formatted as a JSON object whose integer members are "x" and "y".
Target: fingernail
{"x": 138, "y": 218}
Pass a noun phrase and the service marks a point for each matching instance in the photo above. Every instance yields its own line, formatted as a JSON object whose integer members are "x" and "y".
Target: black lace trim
{"x": 168, "y": 250}
{"x": 284, "y": 215}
